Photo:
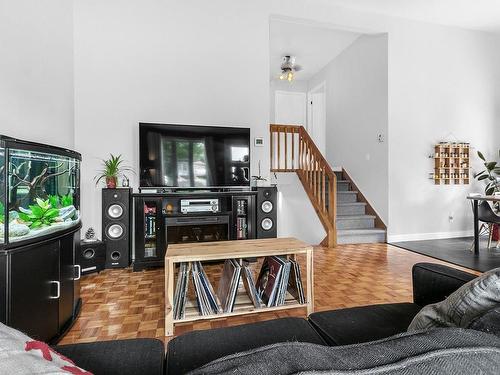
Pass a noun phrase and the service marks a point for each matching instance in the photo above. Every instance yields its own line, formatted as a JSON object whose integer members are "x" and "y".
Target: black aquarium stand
{"x": 158, "y": 222}
{"x": 40, "y": 287}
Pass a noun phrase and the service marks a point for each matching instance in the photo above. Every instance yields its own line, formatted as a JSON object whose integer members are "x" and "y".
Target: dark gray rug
{"x": 456, "y": 251}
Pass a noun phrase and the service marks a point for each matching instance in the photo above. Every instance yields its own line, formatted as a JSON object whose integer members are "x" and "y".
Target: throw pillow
{"x": 463, "y": 306}
{"x": 22, "y": 355}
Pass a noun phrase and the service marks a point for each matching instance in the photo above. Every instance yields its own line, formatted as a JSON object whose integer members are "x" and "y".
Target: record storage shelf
{"x": 209, "y": 251}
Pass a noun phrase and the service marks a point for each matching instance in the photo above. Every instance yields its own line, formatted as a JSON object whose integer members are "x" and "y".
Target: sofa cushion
{"x": 440, "y": 351}
{"x": 118, "y": 357}
{"x": 361, "y": 324}
{"x": 488, "y": 322}
{"x": 434, "y": 282}
{"x": 194, "y": 349}
{"x": 463, "y": 306}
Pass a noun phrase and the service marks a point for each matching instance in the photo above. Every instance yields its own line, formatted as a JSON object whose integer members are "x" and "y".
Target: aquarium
{"x": 41, "y": 194}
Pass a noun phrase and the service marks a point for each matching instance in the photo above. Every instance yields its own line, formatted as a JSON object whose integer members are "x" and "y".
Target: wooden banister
{"x": 293, "y": 150}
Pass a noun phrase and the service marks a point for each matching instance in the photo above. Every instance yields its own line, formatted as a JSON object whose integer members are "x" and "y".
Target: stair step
{"x": 355, "y": 222}
{"x": 347, "y": 196}
{"x": 343, "y": 185}
{"x": 353, "y": 208}
{"x": 350, "y": 236}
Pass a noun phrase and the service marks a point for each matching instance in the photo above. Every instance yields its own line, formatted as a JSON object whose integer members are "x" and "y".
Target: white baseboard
{"x": 428, "y": 236}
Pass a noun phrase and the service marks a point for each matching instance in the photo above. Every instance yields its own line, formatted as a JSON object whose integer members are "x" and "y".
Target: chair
{"x": 488, "y": 218}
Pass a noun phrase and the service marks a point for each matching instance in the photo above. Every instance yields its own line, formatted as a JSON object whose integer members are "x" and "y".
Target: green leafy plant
{"x": 490, "y": 175}
{"x": 2, "y": 213}
{"x": 54, "y": 200}
{"x": 112, "y": 168}
{"x": 60, "y": 201}
{"x": 66, "y": 200}
{"x": 42, "y": 214}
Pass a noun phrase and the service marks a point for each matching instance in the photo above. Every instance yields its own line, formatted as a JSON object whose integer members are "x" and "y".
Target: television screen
{"x": 193, "y": 156}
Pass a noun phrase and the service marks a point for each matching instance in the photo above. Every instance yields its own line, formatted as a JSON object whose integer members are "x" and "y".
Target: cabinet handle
{"x": 79, "y": 268}
{"x": 58, "y": 284}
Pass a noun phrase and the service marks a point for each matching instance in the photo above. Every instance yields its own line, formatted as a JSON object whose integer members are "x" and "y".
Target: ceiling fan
{"x": 289, "y": 68}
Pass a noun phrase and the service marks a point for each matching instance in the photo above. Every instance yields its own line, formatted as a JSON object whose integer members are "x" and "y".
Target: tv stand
{"x": 159, "y": 220}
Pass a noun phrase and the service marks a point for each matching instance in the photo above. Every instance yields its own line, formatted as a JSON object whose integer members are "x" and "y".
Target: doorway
{"x": 316, "y": 115}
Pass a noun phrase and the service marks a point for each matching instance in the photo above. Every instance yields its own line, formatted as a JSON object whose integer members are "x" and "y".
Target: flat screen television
{"x": 187, "y": 156}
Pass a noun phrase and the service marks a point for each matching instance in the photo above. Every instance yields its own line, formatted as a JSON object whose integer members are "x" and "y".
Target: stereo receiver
{"x": 199, "y": 205}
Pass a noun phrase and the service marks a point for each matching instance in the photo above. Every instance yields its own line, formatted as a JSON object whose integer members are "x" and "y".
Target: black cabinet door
{"x": 67, "y": 275}
{"x": 149, "y": 230}
{"x": 35, "y": 291}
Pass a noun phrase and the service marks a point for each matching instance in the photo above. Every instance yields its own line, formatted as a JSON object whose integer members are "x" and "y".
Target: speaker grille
{"x": 267, "y": 224}
{"x": 115, "y": 211}
{"x": 114, "y": 231}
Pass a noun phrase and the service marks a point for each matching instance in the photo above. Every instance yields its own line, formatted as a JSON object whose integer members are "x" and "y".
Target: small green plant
{"x": 54, "y": 200}
{"x": 42, "y": 214}
{"x": 60, "y": 201}
{"x": 66, "y": 200}
{"x": 2, "y": 213}
{"x": 112, "y": 168}
{"x": 490, "y": 174}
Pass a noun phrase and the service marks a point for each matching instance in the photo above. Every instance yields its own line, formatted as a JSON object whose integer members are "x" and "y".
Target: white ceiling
{"x": 471, "y": 14}
{"x": 314, "y": 47}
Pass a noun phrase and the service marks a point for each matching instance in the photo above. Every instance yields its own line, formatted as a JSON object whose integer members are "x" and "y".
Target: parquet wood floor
{"x": 120, "y": 304}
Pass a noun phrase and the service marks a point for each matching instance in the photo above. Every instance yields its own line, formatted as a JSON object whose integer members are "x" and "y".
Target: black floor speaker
{"x": 91, "y": 257}
{"x": 267, "y": 212}
{"x": 116, "y": 223}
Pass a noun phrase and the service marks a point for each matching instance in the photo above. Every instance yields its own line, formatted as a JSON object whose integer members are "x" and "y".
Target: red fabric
{"x": 496, "y": 232}
{"x": 47, "y": 352}
{"x": 43, "y": 347}
{"x": 75, "y": 370}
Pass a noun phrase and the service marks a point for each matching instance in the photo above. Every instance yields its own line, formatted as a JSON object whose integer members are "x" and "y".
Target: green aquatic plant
{"x": 66, "y": 200}
{"x": 54, "y": 200}
{"x": 2, "y": 213}
{"x": 60, "y": 201}
{"x": 42, "y": 214}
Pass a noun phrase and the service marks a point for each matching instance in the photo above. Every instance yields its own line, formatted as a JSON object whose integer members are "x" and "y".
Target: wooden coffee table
{"x": 208, "y": 251}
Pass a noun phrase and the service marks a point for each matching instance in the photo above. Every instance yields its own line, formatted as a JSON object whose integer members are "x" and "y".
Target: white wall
{"x": 208, "y": 62}
{"x": 36, "y": 70}
{"x": 445, "y": 81}
{"x": 188, "y": 62}
{"x": 356, "y": 112}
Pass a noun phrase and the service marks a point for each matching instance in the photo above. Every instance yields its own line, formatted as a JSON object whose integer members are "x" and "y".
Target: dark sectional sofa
{"x": 431, "y": 283}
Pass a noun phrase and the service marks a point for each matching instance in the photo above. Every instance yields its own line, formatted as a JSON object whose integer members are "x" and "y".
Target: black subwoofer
{"x": 91, "y": 256}
{"x": 267, "y": 212}
{"x": 116, "y": 223}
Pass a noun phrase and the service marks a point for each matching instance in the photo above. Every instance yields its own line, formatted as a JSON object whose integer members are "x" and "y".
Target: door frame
{"x": 310, "y": 122}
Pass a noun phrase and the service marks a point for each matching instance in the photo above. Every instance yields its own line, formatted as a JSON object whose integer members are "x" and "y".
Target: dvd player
{"x": 199, "y": 205}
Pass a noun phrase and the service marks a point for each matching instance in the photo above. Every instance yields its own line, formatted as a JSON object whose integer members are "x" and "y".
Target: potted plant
{"x": 112, "y": 168}
{"x": 491, "y": 176}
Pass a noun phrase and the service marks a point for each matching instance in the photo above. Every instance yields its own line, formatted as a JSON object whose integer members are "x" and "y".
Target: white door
{"x": 316, "y": 116}
{"x": 290, "y": 108}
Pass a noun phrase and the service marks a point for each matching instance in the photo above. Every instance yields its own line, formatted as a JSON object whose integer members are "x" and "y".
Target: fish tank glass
{"x": 42, "y": 192}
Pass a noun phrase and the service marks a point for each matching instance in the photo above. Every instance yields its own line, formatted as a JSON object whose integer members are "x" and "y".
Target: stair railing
{"x": 293, "y": 150}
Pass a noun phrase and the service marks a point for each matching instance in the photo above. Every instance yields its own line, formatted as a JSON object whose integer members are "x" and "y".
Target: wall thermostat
{"x": 259, "y": 141}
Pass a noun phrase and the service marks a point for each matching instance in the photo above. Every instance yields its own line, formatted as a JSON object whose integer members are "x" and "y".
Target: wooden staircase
{"x": 344, "y": 212}
{"x": 293, "y": 150}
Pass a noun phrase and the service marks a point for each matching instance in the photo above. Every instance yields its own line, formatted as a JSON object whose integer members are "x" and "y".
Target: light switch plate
{"x": 258, "y": 141}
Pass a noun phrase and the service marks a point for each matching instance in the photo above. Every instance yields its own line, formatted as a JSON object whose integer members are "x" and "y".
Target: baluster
{"x": 323, "y": 190}
{"x": 286, "y": 148}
